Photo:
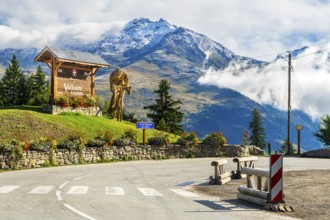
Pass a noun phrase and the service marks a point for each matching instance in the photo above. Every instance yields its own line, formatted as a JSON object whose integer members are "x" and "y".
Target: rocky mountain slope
{"x": 153, "y": 50}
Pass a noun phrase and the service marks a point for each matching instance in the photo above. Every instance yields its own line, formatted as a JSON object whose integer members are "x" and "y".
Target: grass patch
{"x": 30, "y": 123}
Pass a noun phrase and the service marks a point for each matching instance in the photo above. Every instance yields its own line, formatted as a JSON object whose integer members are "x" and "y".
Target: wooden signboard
{"x": 73, "y": 82}
{"x": 72, "y": 72}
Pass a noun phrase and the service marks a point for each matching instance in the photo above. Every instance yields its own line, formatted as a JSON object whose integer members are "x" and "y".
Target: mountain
{"x": 153, "y": 50}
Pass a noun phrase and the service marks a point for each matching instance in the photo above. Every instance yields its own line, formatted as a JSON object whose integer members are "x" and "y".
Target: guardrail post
{"x": 220, "y": 176}
{"x": 248, "y": 162}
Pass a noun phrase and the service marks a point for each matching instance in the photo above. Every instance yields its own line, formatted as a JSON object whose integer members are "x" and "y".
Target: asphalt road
{"x": 126, "y": 190}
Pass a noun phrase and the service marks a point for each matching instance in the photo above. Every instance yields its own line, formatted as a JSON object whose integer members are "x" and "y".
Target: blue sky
{"x": 247, "y": 27}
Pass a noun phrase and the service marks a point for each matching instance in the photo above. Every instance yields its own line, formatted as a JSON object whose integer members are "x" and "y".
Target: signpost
{"x": 276, "y": 178}
{"x": 144, "y": 126}
{"x": 299, "y": 127}
{"x": 246, "y": 138}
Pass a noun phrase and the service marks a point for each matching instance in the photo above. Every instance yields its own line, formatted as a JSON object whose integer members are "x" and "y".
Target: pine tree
{"x": 284, "y": 147}
{"x": 29, "y": 89}
{"x": 166, "y": 109}
{"x": 37, "y": 88}
{"x": 258, "y": 137}
{"x": 14, "y": 84}
{"x": 323, "y": 133}
{"x": 2, "y": 100}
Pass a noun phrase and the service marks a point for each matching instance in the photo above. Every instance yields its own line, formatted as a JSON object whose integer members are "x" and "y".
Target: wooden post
{"x": 289, "y": 104}
{"x": 243, "y": 162}
{"x": 252, "y": 199}
{"x": 299, "y": 127}
{"x": 93, "y": 71}
{"x": 56, "y": 66}
{"x": 55, "y": 77}
{"x": 298, "y": 142}
{"x": 144, "y": 136}
{"x": 52, "y": 81}
{"x": 253, "y": 192}
{"x": 220, "y": 176}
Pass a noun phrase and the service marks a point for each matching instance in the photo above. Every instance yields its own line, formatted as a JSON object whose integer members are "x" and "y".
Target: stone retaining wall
{"x": 32, "y": 159}
{"x": 90, "y": 111}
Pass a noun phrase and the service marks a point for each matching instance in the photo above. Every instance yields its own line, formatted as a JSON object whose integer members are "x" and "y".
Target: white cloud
{"x": 250, "y": 28}
{"x": 310, "y": 82}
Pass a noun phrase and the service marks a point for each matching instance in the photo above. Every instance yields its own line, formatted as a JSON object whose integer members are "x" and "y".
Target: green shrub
{"x": 105, "y": 160}
{"x": 52, "y": 158}
{"x": 63, "y": 101}
{"x": 76, "y": 101}
{"x": 16, "y": 148}
{"x": 127, "y": 158}
{"x": 188, "y": 140}
{"x": 72, "y": 143}
{"x": 75, "y": 143}
{"x": 41, "y": 144}
{"x": 101, "y": 140}
{"x": 158, "y": 157}
{"x": 131, "y": 134}
{"x": 159, "y": 139}
{"x": 46, "y": 164}
{"x": 123, "y": 141}
{"x": 89, "y": 101}
{"x": 129, "y": 138}
{"x": 215, "y": 140}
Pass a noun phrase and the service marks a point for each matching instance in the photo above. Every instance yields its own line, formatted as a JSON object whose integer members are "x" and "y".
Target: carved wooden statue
{"x": 119, "y": 84}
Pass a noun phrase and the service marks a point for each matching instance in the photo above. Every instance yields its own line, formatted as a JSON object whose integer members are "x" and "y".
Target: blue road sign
{"x": 145, "y": 125}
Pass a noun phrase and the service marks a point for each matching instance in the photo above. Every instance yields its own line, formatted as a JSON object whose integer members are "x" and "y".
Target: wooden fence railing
{"x": 241, "y": 163}
{"x": 257, "y": 189}
{"x": 220, "y": 175}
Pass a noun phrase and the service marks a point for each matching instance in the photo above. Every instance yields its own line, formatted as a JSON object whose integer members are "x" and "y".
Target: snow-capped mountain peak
{"x": 136, "y": 34}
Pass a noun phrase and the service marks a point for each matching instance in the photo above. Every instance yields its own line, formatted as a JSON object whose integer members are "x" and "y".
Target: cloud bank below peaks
{"x": 310, "y": 79}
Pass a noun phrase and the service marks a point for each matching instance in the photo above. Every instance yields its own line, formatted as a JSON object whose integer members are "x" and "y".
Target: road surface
{"x": 127, "y": 190}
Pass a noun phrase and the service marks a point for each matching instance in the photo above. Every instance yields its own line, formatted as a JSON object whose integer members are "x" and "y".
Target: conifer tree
{"x": 323, "y": 133}
{"x": 29, "y": 88}
{"x": 258, "y": 137}
{"x": 166, "y": 112}
{"x": 37, "y": 88}
{"x": 14, "y": 84}
{"x": 2, "y": 101}
{"x": 284, "y": 147}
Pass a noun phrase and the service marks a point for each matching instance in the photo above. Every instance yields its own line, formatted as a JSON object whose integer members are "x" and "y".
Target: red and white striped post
{"x": 276, "y": 178}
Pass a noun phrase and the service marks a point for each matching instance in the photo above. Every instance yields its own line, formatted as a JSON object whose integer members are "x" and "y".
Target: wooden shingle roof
{"x": 71, "y": 56}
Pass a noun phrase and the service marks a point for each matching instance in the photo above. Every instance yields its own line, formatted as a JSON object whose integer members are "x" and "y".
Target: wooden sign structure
{"x": 144, "y": 126}
{"x": 72, "y": 72}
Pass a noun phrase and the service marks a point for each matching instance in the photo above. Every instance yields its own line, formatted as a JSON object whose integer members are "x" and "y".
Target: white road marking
{"x": 226, "y": 205}
{"x": 61, "y": 186}
{"x": 149, "y": 192}
{"x": 232, "y": 206}
{"x": 78, "y": 178}
{"x": 79, "y": 212}
{"x": 41, "y": 190}
{"x": 7, "y": 189}
{"x": 78, "y": 190}
{"x": 117, "y": 191}
{"x": 58, "y": 195}
{"x": 184, "y": 193}
{"x": 188, "y": 183}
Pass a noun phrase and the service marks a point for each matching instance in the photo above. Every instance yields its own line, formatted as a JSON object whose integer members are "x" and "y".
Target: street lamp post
{"x": 299, "y": 127}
